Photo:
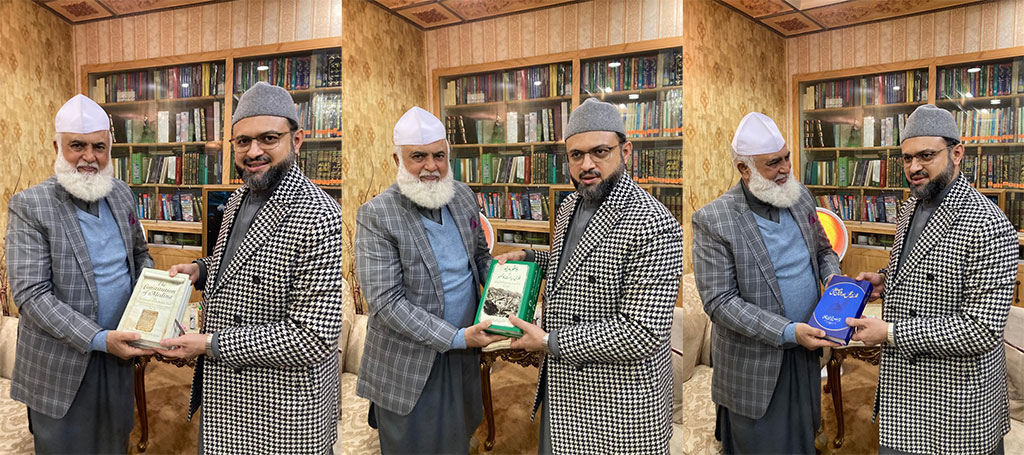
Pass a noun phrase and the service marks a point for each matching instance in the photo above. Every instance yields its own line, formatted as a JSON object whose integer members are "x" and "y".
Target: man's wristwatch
{"x": 890, "y": 337}
{"x": 544, "y": 343}
{"x": 209, "y": 345}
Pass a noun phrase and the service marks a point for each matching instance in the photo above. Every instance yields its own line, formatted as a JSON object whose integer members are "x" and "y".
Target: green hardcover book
{"x": 511, "y": 289}
{"x": 486, "y": 171}
{"x": 136, "y": 168}
{"x": 843, "y": 164}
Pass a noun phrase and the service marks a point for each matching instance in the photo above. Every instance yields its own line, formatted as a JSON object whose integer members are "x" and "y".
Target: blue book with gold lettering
{"x": 843, "y": 298}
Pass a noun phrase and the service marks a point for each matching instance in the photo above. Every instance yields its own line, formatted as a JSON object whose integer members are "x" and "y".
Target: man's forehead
{"x": 255, "y": 126}
{"x": 772, "y": 156}
{"x": 95, "y": 136}
{"x": 919, "y": 143}
{"x": 591, "y": 139}
{"x": 431, "y": 148}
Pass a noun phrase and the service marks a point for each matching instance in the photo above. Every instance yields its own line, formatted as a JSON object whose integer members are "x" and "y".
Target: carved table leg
{"x": 836, "y": 388}
{"x": 485, "y": 387}
{"x": 140, "y": 400}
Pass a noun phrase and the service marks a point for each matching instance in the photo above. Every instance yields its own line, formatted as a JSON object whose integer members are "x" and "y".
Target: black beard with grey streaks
{"x": 930, "y": 190}
{"x": 271, "y": 177}
{"x": 600, "y": 191}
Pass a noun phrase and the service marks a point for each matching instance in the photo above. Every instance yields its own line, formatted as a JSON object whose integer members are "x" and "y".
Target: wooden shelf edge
{"x": 184, "y": 227}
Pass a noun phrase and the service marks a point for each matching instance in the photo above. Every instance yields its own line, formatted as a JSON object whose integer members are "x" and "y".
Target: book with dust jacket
{"x": 511, "y": 289}
{"x": 157, "y": 301}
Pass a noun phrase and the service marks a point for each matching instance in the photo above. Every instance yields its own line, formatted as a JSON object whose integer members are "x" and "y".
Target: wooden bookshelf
{"x": 984, "y": 91}
{"x": 217, "y": 90}
{"x": 571, "y": 65}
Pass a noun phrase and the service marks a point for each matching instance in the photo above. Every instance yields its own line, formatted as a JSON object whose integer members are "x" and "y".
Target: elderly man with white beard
{"x": 74, "y": 251}
{"x": 421, "y": 256}
{"x": 759, "y": 258}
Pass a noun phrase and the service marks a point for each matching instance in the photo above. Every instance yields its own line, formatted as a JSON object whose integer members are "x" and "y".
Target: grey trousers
{"x": 100, "y": 418}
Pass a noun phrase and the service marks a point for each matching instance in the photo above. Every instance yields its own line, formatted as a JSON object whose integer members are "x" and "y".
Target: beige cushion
{"x": 678, "y": 365}
{"x": 356, "y": 339}
{"x": 1014, "y": 336}
{"x": 8, "y": 342}
{"x": 694, "y": 325}
{"x": 348, "y": 316}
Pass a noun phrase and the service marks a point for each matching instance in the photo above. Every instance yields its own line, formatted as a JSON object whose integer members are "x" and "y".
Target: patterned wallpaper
{"x": 731, "y": 66}
{"x": 32, "y": 89}
{"x": 219, "y": 26}
{"x": 384, "y": 77}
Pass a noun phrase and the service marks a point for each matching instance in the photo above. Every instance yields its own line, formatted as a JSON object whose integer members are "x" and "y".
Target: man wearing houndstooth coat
{"x": 946, "y": 295}
{"x": 267, "y": 372}
{"x": 612, "y": 276}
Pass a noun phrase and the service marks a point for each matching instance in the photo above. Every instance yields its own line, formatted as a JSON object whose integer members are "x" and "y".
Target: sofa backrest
{"x": 1014, "y": 342}
{"x": 696, "y": 327}
{"x": 8, "y": 343}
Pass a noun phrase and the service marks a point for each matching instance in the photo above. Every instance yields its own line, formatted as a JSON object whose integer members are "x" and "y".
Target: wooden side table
{"x": 854, "y": 350}
{"x": 140, "y": 391}
{"x": 487, "y": 358}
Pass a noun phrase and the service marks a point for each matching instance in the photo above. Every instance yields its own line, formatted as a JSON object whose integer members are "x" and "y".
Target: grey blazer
{"x": 737, "y": 284}
{"x": 53, "y": 285}
{"x": 399, "y": 277}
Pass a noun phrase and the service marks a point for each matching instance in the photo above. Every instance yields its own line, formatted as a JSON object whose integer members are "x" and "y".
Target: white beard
{"x": 431, "y": 195}
{"x": 781, "y": 196}
{"x": 84, "y": 186}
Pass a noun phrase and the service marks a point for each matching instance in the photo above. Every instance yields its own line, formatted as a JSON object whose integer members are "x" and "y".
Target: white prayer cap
{"x": 418, "y": 127}
{"x": 757, "y": 135}
{"x": 81, "y": 115}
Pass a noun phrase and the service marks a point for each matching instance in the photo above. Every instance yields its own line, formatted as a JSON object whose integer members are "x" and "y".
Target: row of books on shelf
{"x": 663, "y": 165}
{"x": 871, "y": 208}
{"x": 323, "y": 167}
{"x": 654, "y": 118}
{"x": 994, "y": 79}
{"x": 992, "y": 125}
{"x": 290, "y": 73}
{"x": 899, "y": 87}
{"x": 871, "y": 132}
{"x": 995, "y": 171}
{"x": 632, "y": 73}
{"x": 850, "y": 171}
{"x": 1015, "y": 211}
{"x": 672, "y": 199}
{"x": 189, "y": 168}
{"x": 542, "y": 81}
{"x": 320, "y": 117}
{"x": 183, "y": 81}
{"x": 179, "y": 206}
{"x": 190, "y": 125}
{"x": 543, "y": 125}
{"x": 526, "y": 205}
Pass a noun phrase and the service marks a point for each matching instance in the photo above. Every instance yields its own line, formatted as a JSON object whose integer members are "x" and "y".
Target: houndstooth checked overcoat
{"x": 277, "y": 312}
{"x": 611, "y": 386}
{"x": 942, "y": 387}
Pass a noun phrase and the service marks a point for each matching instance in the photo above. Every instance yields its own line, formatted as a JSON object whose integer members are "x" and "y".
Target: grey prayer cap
{"x": 265, "y": 99}
{"x": 929, "y": 120}
{"x": 595, "y": 115}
